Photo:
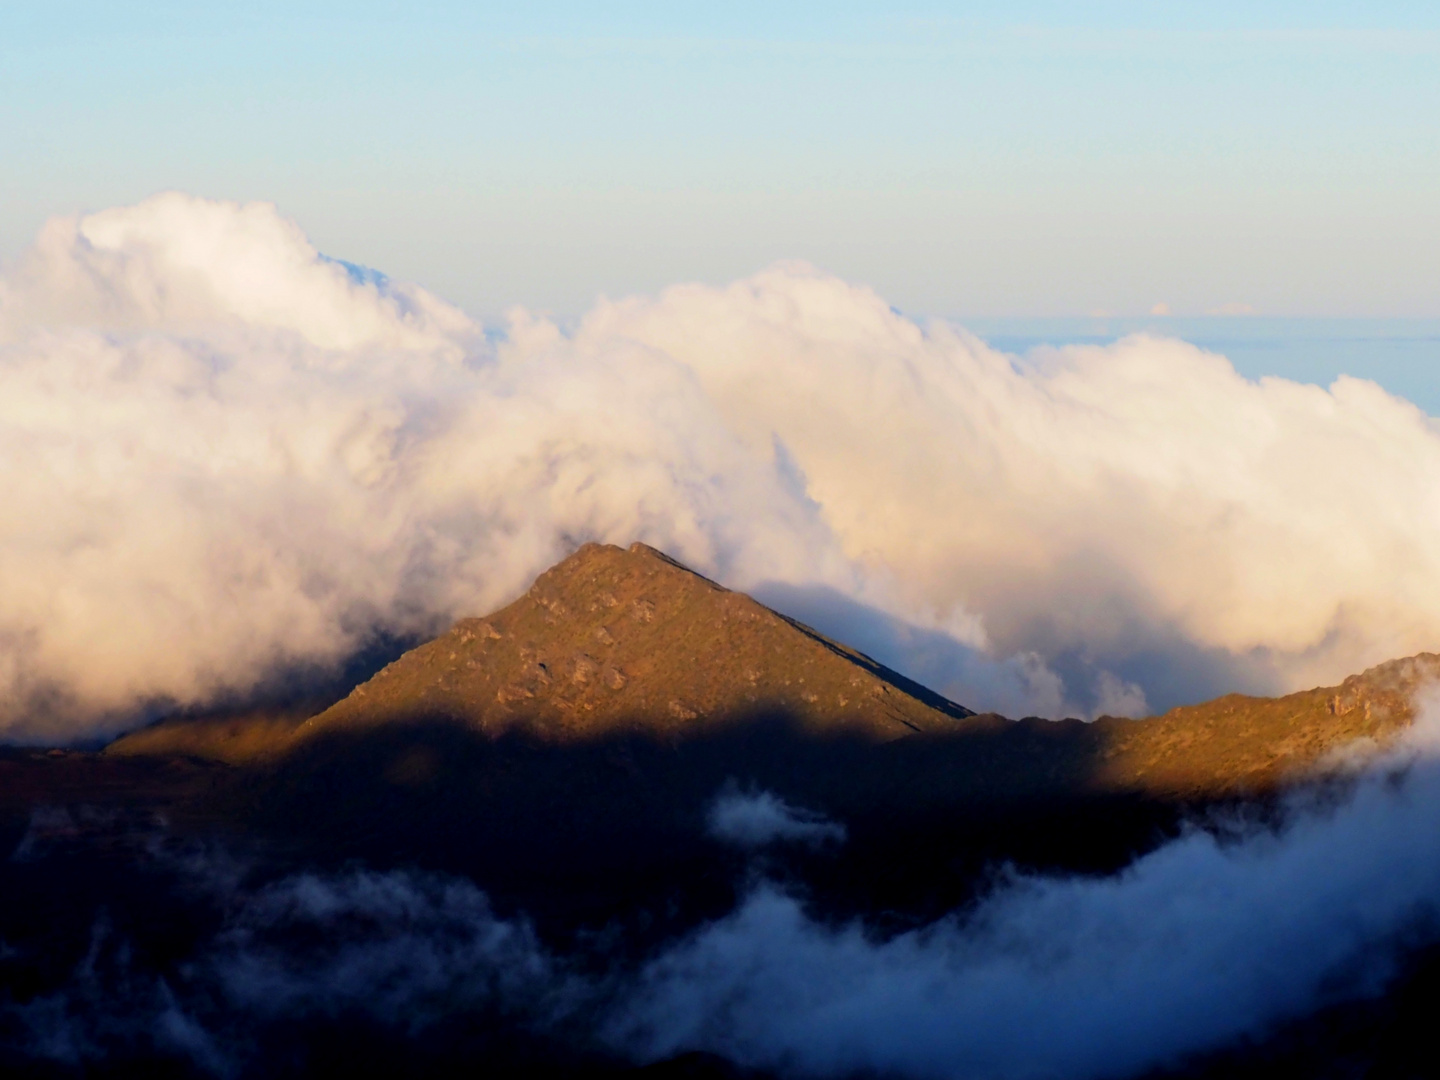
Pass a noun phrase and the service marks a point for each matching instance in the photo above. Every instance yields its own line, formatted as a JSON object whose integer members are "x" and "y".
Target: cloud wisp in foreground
{"x": 225, "y": 454}
{"x": 759, "y": 819}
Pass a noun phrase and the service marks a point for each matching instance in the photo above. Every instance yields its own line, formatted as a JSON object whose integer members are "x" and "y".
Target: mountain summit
{"x": 618, "y": 643}
{"x": 613, "y": 640}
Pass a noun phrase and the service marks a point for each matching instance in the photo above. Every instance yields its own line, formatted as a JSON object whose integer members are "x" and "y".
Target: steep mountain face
{"x": 614, "y": 640}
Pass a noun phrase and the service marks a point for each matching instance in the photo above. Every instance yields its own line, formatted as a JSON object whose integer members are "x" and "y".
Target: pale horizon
{"x": 985, "y": 161}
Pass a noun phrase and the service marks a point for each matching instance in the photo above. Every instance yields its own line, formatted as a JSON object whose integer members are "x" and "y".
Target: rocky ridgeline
{"x": 1389, "y": 693}
{"x": 1240, "y": 744}
{"x": 616, "y": 640}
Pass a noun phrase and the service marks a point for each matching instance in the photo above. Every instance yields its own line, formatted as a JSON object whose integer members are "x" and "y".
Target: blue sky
{"x": 965, "y": 159}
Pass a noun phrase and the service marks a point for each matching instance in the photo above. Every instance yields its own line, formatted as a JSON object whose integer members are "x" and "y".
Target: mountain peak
{"x": 614, "y": 639}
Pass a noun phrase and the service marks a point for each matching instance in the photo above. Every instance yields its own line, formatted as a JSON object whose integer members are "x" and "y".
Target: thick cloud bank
{"x": 224, "y": 454}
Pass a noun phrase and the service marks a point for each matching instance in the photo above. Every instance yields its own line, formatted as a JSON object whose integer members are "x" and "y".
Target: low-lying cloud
{"x": 403, "y": 951}
{"x": 1218, "y": 935}
{"x": 224, "y": 453}
{"x": 1208, "y": 939}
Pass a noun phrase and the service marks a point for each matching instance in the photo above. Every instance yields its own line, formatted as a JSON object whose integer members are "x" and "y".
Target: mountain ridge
{"x": 607, "y": 640}
{"x": 614, "y": 641}
{"x": 630, "y": 639}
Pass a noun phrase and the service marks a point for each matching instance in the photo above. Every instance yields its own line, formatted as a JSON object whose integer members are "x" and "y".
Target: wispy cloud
{"x": 758, "y": 819}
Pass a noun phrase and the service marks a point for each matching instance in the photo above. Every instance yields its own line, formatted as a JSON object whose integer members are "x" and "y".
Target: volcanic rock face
{"x": 614, "y": 640}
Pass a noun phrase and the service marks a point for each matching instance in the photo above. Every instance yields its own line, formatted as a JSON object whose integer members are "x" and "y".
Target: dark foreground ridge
{"x": 564, "y": 756}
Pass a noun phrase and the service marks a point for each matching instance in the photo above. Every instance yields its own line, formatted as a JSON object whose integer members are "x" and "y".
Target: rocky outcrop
{"x": 1238, "y": 744}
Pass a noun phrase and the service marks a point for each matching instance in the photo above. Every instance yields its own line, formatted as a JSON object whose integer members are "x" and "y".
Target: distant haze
{"x": 1402, "y": 355}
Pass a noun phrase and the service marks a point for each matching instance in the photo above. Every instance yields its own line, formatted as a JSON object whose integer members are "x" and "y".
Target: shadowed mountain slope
{"x": 246, "y": 737}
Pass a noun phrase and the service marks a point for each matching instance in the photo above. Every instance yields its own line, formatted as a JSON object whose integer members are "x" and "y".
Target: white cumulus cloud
{"x": 223, "y": 453}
